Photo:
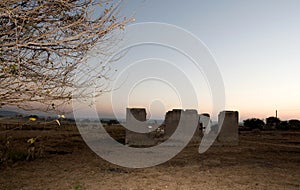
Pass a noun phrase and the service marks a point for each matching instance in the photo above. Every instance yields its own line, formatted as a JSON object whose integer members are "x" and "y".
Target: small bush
{"x": 78, "y": 187}
{"x": 16, "y": 155}
{"x": 283, "y": 125}
{"x": 294, "y": 124}
{"x": 254, "y": 123}
{"x": 272, "y": 122}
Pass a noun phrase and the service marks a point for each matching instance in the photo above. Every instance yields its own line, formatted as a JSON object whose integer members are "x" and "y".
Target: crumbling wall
{"x": 228, "y": 121}
{"x": 173, "y": 118}
{"x": 134, "y": 138}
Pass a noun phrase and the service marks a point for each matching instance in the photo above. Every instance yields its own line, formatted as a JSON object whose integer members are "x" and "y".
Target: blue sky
{"x": 256, "y": 45}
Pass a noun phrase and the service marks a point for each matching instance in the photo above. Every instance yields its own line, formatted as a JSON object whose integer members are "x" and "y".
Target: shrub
{"x": 294, "y": 124}
{"x": 272, "y": 122}
{"x": 283, "y": 125}
{"x": 254, "y": 123}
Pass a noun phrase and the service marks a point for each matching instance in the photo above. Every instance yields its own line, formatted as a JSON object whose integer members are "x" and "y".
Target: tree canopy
{"x": 42, "y": 43}
{"x": 272, "y": 122}
{"x": 254, "y": 123}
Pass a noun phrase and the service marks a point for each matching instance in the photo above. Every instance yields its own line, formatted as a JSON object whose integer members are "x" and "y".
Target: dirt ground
{"x": 263, "y": 160}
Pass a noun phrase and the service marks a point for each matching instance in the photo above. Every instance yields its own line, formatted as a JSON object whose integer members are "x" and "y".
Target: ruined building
{"x": 141, "y": 133}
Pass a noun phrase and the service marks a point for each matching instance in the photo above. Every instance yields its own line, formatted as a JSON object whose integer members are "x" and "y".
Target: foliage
{"x": 294, "y": 124}
{"x": 272, "y": 122}
{"x": 254, "y": 123}
{"x": 13, "y": 151}
{"x": 43, "y": 43}
{"x": 15, "y": 155}
{"x": 283, "y": 125}
{"x": 78, "y": 187}
{"x": 8, "y": 153}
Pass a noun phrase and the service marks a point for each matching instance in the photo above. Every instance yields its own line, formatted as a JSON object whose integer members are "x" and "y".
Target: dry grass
{"x": 265, "y": 160}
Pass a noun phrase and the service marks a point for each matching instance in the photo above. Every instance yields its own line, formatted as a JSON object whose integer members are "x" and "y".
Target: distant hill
{"x": 5, "y": 113}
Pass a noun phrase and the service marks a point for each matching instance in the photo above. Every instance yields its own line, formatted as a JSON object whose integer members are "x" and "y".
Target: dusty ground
{"x": 263, "y": 160}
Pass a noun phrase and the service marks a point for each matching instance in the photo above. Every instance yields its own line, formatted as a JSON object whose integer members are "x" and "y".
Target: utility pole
{"x": 276, "y": 113}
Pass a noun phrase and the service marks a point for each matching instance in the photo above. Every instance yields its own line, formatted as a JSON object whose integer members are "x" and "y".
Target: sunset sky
{"x": 256, "y": 45}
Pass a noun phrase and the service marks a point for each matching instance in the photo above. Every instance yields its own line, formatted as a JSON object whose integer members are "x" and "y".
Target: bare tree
{"x": 43, "y": 43}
